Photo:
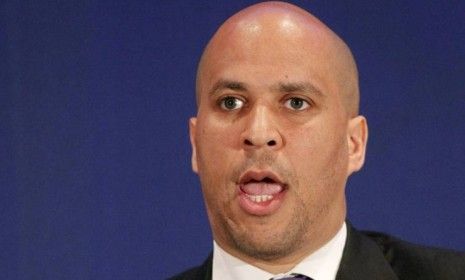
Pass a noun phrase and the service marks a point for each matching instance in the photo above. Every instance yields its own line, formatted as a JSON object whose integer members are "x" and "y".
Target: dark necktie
{"x": 291, "y": 276}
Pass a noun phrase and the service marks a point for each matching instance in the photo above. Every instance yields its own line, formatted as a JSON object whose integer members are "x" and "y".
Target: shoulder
{"x": 414, "y": 261}
{"x": 192, "y": 273}
{"x": 200, "y": 272}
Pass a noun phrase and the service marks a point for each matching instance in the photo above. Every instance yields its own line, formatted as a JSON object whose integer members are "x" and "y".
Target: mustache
{"x": 265, "y": 160}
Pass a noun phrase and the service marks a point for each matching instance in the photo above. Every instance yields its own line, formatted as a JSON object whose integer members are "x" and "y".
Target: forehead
{"x": 264, "y": 55}
{"x": 267, "y": 37}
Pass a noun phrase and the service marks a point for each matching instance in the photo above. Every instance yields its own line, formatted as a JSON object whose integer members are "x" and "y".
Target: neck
{"x": 287, "y": 263}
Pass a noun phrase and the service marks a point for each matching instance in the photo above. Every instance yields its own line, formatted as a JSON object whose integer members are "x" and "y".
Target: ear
{"x": 192, "y": 131}
{"x": 357, "y": 137}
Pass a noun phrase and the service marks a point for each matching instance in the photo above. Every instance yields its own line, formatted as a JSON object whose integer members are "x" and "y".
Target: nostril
{"x": 270, "y": 143}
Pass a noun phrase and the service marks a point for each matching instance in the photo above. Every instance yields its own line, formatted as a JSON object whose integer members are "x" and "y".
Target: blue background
{"x": 95, "y": 96}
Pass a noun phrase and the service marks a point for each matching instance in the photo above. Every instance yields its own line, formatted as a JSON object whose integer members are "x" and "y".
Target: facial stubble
{"x": 264, "y": 243}
{"x": 261, "y": 237}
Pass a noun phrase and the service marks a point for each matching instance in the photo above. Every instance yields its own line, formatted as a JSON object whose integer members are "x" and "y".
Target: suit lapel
{"x": 205, "y": 271}
{"x": 363, "y": 259}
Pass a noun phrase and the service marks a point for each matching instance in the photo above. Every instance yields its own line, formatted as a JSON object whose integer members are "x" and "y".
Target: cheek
{"x": 216, "y": 155}
{"x": 216, "y": 131}
{"x": 304, "y": 147}
{"x": 218, "y": 139}
{"x": 317, "y": 154}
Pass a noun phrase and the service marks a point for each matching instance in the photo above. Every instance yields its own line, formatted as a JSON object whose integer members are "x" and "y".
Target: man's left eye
{"x": 296, "y": 103}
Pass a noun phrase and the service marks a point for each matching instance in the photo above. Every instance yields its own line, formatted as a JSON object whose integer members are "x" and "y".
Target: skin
{"x": 277, "y": 90}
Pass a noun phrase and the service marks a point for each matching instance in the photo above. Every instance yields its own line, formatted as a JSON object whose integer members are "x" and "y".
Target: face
{"x": 271, "y": 144}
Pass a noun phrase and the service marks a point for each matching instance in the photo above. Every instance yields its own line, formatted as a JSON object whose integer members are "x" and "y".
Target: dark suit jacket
{"x": 376, "y": 256}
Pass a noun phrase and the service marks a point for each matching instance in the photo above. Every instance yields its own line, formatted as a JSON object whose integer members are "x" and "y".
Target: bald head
{"x": 277, "y": 95}
{"x": 278, "y": 30}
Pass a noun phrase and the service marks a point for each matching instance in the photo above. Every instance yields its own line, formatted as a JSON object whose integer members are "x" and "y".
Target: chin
{"x": 264, "y": 249}
{"x": 265, "y": 242}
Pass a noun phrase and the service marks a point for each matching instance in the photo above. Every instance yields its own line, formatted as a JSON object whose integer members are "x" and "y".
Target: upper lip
{"x": 259, "y": 175}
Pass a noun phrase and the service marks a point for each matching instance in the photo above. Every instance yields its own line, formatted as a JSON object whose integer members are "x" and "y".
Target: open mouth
{"x": 260, "y": 191}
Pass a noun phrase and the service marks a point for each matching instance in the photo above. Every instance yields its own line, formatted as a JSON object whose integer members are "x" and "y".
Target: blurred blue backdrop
{"x": 94, "y": 154}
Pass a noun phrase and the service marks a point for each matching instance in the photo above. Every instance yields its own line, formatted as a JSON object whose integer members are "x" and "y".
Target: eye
{"x": 296, "y": 104}
{"x": 231, "y": 103}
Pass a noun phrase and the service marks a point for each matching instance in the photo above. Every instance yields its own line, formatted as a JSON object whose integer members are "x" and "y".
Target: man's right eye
{"x": 231, "y": 103}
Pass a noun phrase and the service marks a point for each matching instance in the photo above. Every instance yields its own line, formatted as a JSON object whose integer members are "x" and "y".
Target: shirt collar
{"x": 323, "y": 264}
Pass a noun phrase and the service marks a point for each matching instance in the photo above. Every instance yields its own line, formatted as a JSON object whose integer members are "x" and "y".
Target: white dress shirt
{"x": 323, "y": 264}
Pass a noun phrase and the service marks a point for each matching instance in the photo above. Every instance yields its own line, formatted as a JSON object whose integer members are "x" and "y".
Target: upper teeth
{"x": 260, "y": 198}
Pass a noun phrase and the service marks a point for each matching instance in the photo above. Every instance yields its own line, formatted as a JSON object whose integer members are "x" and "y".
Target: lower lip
{"x": 260, "y": 208}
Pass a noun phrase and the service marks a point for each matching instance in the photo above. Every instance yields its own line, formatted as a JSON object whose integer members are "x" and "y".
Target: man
{"x": 276, "y": 137}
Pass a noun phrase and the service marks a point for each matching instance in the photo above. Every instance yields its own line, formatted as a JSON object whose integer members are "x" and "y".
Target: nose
{"x": 261, "y": 130}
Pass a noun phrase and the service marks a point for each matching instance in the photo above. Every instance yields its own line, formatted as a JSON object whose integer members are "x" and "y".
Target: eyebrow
{"x": 282, "y": 87}
{"x": 292, "y": 87}
{"x": 227, "y": 84}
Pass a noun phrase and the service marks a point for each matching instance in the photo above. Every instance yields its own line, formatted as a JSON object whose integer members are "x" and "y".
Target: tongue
{"x": 261, "y": 188}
